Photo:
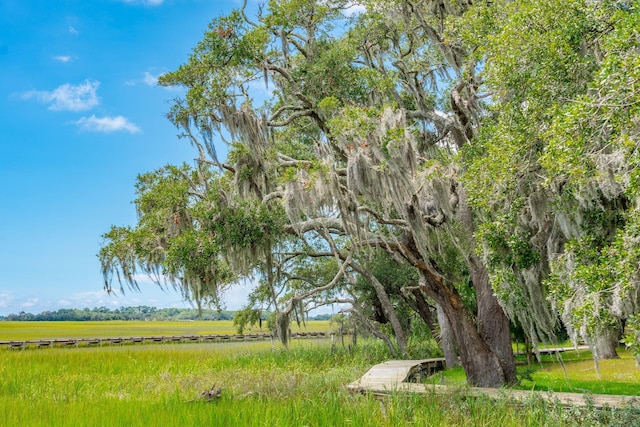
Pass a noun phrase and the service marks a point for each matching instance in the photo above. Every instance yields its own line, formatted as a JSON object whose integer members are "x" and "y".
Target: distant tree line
{"x": 141, "y": 312}
{"x": 122, "y": 313}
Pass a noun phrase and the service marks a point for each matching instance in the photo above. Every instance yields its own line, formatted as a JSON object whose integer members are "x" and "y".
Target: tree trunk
{"x": 401, "y": 337}
{"x": 492, "y": 322}
{"x": 446, "y": 339}
{"x": 378, "y": 312}
{"x": 389, "y": 310}
{"x": 605, "y": 344}
{"x": 420, "y": 305}
{"x": 374, "y": 331}
{"x": 481, "y": 365}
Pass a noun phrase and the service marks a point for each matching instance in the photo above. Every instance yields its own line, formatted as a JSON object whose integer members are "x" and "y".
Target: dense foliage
{"x": 553, "y": 171}
{"x": 407, "y": 158}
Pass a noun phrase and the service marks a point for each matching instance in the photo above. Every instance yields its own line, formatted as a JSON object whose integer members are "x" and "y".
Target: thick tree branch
{"x": 333, "y": 224}
{"x": 291, "y": 118}
{"x": 289, "y": 161}
{"x": 334, "y": 282}
{"x": 380, "y": 219}
{"x": 374, "y": 331}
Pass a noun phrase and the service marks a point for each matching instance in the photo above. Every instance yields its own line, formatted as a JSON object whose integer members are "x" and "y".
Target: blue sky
{"x": 80, "y": 117}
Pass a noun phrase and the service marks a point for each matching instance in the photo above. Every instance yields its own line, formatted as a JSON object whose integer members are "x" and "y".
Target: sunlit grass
{"x": 262, "y": 385}
{"x": 617, "y": 376}
{"x": 120, "y": 328}
{"x": 136, "y": 385}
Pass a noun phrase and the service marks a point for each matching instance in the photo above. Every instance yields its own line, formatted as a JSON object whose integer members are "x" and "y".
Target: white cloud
{"x": 147, "y": 79}
{"x": 68, "y": 97}
{"x": 106, "y": 124}
{"x": 260, "y": 92}
{"x": 12, "y": 303}
{"x": 62, "y": 58}
{"x": 354, "y": 8}
{"x": 31, "y": 302}
{"x": 233, "y": 298}
{"x": 149, "y": 295}
{"x": 350, "y": 8}
{"x": 6, "y": 299}
{"x": 73, "y": 31}
{"x": 87, "y": 299}
{"x": 237, "y": 296}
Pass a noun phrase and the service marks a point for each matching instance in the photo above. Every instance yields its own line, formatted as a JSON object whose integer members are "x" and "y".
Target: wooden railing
{"x": 88, "y": 342}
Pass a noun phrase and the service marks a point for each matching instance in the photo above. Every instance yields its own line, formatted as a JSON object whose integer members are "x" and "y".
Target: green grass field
{"x": 51, "y": 330}
{"x": 617, "y": 376}
{"x": 262, "y": 385}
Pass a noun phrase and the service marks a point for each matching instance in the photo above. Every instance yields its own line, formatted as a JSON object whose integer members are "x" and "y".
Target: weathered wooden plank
{"x": 394, "y": 372}
{"x": 553, "y": 350}
{"x": 63, "y": 342}
{"x": 391, "y": 376}
{"x": 16, "y": 344}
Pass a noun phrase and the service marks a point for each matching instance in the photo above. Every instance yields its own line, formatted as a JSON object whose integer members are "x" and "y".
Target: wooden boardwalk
{"x": 553, "y": 350}
{"x": 396, "y": 376}
{"x": 88, "y": 342}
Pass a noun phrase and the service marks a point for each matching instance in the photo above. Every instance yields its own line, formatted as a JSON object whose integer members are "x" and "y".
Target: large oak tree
{"x": 347, "y": 135}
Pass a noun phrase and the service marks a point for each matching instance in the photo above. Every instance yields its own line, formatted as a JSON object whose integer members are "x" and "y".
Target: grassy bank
{"x": 161, "y": 384}
{"x": 616, "y": 376}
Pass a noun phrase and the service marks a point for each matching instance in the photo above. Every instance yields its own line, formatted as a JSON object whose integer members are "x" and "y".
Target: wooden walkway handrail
{"x": 76, "y": 342}
{"x": 394, "y": 376}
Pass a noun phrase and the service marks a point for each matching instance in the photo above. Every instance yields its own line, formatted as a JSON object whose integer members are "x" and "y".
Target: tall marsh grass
{"x": 159, "y": 385}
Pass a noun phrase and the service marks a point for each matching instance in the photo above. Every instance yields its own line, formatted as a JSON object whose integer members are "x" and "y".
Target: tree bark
{"x": 378, "y": 311}
{"x": 605, "y": 344}
{"x": 374, "y": 331}
{"x": 420, "y": 305}
{"x": 446, "y": 339}
{"x": 481, "y": 364}
{"x": 389, "y": 310}
{"x": 492, "y": 322}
